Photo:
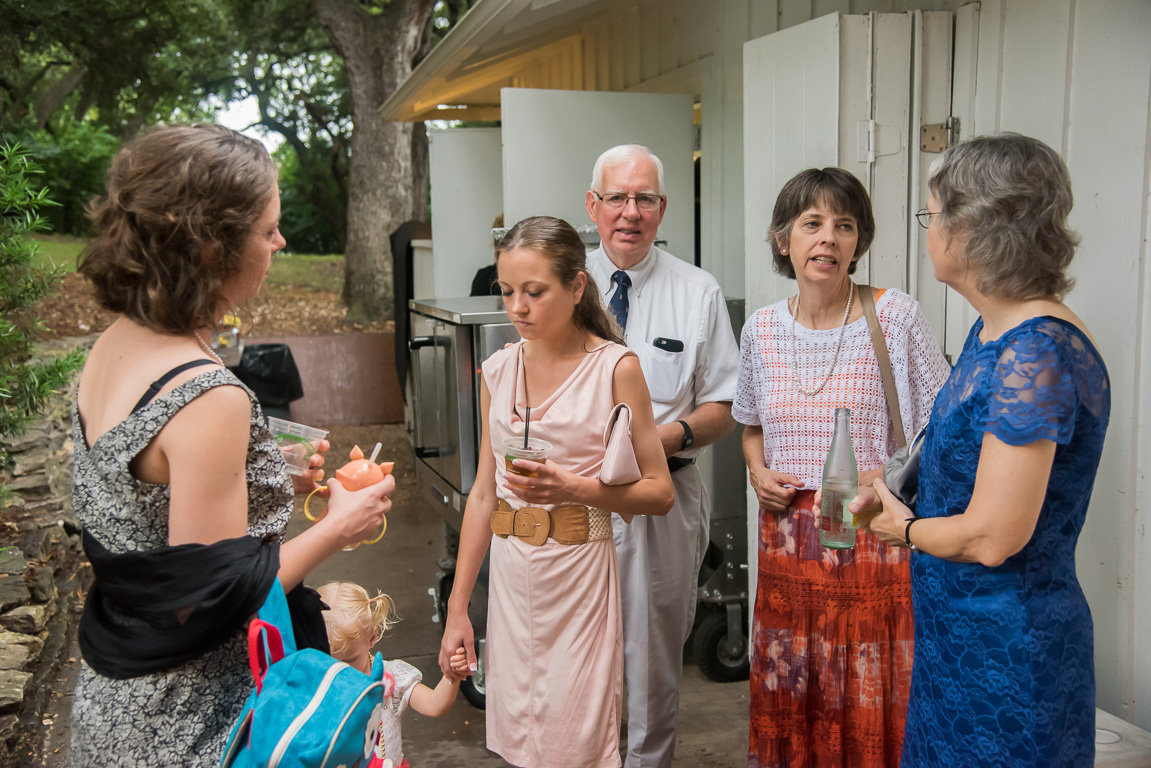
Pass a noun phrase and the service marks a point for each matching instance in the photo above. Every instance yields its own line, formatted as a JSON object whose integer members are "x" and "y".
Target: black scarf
{"x": 220, "y": 586}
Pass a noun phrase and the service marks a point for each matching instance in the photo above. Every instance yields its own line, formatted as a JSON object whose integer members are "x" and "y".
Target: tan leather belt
{"x": 566, "y": 523}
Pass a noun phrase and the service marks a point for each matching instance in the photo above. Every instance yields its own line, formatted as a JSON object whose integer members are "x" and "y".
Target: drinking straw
{"x": 527, "y": 423}
{"x": 376, "y": 452}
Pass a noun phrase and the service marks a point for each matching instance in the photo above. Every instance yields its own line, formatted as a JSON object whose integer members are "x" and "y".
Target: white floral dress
{"x": 181, "y": 716}
{"x": 390, "y": 746}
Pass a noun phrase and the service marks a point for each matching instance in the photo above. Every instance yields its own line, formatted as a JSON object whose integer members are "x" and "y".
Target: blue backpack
{"x": 308, "y": 708}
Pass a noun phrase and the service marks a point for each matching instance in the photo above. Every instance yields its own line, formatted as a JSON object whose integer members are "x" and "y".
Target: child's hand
{"x": 459, "y": 662}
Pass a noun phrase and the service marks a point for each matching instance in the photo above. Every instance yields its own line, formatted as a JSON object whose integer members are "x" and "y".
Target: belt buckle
{"x": 531, "y": 525}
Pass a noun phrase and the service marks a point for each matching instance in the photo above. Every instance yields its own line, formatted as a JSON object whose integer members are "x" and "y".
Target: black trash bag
{"x": 270, "y": 371}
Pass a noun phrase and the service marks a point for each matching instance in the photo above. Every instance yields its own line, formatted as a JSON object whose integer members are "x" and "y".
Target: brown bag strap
{"x": 867, "y": 299}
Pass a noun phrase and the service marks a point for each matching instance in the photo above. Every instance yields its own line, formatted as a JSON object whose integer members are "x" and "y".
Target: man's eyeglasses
{"x": 645, "y": 201}
{"x": 924, "y": 217}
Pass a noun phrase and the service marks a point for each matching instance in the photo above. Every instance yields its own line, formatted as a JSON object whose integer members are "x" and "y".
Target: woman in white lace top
{"x": 833, "y": 631}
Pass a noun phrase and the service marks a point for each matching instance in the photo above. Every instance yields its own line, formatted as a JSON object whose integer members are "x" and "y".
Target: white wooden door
{"x": 846, "y": 91}
{"x": 551, "y": 140}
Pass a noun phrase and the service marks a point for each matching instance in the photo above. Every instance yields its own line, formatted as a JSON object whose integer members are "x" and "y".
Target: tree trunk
{"x": 55, "y": 95}
{"x": 420, "y": 170}
{"x": 378, "y": 51}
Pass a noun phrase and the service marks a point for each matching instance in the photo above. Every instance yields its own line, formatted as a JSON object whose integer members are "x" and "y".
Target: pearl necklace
{"x": 210, "y": 351}
{"x": 835, "y": 357}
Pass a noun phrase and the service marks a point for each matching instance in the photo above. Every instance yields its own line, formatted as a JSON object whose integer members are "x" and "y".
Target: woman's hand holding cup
{"x": 307, "y": 482}
{"x": 542, "y": 483}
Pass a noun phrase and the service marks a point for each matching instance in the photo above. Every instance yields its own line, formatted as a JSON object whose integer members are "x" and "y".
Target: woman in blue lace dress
{"x": 1003, "y": 673}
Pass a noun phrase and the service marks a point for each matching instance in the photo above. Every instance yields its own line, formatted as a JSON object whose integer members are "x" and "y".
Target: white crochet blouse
{"x": 797, "y": 428}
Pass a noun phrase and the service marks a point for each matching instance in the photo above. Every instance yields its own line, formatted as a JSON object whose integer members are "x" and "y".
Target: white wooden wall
{"x": 1078, "y": 76}
{"x": 467, "y": 194}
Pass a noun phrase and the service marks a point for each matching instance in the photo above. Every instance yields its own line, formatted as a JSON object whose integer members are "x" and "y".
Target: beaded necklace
{"x": 835, "y": 357}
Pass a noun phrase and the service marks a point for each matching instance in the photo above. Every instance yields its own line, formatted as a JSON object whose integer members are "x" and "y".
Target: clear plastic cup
{"x": 298, "y": 442}
{"x": 536, "y": 450}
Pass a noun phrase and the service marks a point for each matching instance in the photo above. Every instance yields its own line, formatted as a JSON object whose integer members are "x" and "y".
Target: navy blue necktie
{"x": 618, "y": 301}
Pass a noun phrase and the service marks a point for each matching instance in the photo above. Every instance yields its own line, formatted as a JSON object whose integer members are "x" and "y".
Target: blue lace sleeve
{"x": 1032, "y": 391}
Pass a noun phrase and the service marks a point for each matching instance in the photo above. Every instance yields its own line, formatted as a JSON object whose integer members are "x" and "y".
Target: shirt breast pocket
{"x": 667, "y": 373}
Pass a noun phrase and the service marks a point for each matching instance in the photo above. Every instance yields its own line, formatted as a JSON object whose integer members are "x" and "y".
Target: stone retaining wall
{"x": 43, "y": 575}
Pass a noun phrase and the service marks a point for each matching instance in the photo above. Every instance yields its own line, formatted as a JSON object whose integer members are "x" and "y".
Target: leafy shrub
{"x": 24, "y": 384}
{"x": 74, "y": 164}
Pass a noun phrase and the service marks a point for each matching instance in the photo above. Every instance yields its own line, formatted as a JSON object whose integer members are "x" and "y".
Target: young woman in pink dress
{"x": 554, "y": 639}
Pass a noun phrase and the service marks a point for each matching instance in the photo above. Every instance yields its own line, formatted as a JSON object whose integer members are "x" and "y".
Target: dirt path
{"x": 279, "y": 310}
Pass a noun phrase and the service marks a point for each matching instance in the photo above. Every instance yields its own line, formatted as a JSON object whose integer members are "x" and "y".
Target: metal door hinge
{"x": 936, "y": 137}
{"x": 873, "y": 140}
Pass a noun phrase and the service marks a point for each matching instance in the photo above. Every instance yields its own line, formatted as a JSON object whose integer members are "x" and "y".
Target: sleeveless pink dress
{"x": 554, "y": 650}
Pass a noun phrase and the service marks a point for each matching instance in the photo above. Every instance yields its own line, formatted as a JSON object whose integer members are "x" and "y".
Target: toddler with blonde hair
{"x": 355, "y": 623}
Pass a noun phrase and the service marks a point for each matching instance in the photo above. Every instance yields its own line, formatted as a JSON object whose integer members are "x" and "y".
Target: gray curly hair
{"x": 1009, "y": 197}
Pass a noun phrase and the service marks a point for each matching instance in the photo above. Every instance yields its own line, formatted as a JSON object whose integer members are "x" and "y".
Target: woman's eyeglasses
{"x": 645, "y": 201}
{"x": 924, "y": 217}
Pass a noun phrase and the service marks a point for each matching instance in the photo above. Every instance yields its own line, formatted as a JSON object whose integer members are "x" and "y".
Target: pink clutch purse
{"x": 619, "y": 464}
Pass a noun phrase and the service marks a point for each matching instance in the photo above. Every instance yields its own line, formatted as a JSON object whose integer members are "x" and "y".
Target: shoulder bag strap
{"x": 867, "y": 299}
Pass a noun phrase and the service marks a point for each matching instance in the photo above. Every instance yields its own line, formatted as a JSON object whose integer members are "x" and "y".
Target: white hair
{"x": 617, "y": 156}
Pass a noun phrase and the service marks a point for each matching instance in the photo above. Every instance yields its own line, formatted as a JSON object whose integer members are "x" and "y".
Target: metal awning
{"x": 499, "y": 44}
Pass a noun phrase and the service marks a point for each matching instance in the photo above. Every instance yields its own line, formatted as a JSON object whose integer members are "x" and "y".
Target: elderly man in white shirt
{"x": 675, "y": 319}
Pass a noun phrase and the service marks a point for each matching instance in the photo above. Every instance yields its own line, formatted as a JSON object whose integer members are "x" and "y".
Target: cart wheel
{"x": 712, "y": 654}
{"x": 474, "y": 688}
{"x": 447, "y": 581}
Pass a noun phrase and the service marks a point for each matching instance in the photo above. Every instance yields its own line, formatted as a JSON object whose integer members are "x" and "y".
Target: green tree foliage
{"x": 74, "y": 163}
{"x": 313, "y": 205}
{"x": 77, "y": 76}
{"x": 24, "y": 384}
{"x": 301, "y": 90}
{"x": 120, "y": 63}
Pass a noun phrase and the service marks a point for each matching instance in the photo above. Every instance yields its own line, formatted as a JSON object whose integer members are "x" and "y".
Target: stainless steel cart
{"x": 450, "y": 338}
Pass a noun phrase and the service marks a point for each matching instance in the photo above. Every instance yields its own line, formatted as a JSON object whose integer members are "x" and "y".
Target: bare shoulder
{"x": 627, "y": 368}
{"x": 1064, "y": 312}
{"x": 1041, "y": 308}
{"x": 221, "y": 410}
{"x": 229, "y": 400}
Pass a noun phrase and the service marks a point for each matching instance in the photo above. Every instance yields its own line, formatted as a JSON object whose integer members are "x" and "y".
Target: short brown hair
{"x": 1009, "y": 196}
{"x": 181, "y": 204}
{"x": 560, "y": 244}
{"x": 836, "y": 188}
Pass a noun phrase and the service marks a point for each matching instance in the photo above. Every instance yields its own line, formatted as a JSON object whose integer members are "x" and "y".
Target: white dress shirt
{"x": 681, "y": 303}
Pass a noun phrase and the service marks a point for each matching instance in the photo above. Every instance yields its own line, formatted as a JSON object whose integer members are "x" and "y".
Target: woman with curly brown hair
{"x": 182, "y": 492}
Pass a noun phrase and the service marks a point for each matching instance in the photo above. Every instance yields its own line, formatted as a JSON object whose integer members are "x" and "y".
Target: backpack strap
{"x": 265, "y": 648}
{"x": 270, "y": 636}
{"x": 867, "y": 299}
{"x": 159, "y": 383}
{"x": 275, "y": 612}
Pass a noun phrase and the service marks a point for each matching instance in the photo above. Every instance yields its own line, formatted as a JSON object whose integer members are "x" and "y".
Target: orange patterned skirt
{"x": 832, "y": 644}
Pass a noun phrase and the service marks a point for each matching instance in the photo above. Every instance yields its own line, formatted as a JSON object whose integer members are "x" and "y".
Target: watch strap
{"x": 688, "y": 436}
